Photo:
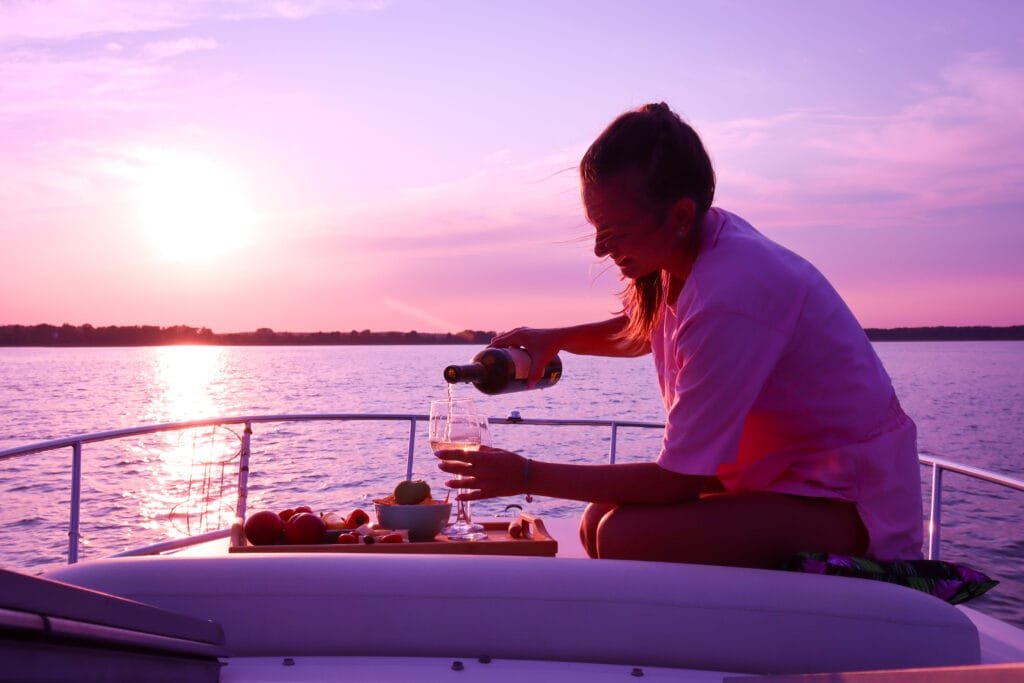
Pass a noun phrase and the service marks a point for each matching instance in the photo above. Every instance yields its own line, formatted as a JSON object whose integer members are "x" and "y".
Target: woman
{"x": 783, "y": 434}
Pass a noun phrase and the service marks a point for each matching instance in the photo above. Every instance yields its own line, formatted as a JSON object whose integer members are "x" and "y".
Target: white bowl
{"x": 424, "y": 522}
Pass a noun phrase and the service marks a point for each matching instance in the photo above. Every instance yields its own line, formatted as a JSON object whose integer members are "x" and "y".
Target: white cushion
{"x": 637, "y": 613}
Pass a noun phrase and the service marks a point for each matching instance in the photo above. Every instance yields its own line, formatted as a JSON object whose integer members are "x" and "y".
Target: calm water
{"x": 967, "y": 399}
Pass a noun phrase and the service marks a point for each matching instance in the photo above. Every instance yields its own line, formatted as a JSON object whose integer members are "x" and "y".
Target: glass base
{"x": 462, "y": 531}
{"x": 468, "y": 536}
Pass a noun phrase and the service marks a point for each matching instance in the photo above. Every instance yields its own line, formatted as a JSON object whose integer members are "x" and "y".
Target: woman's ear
{"x": 682, "y": 214}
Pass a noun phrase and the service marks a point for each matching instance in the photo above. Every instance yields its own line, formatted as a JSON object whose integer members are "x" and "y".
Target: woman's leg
{"x": 588, "y": 525}
{"x": 592, "y": 516}
{"x": 741, "y": 529}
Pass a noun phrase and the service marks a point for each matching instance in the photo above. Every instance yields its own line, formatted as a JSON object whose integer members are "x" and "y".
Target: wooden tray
{"x": 537, "y": 541}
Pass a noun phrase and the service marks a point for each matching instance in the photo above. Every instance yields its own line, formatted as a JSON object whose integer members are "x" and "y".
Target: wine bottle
{"x": 502, "y": 371}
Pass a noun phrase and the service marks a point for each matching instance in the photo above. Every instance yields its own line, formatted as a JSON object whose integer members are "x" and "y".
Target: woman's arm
{"x": 494, "y": 472}
{"x": 590, "y": 339}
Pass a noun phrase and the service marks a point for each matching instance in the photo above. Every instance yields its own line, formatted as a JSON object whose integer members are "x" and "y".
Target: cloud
{"x": 172, "y": 48}
{"x": 35, "y": 20}
{"x": 419, "y": 314}
{"x": 37, "y": 80}
{"x": 302, "y": 9}
{"x": 39, "y": 83}
{"x": 71, "y": 62}
{"x": 977, "y": 107}
{"x": 506, "y": 203}
{"x": 749, "y": 133}
{"x": 959, "y": 143}
{"x": 975, "y": 299}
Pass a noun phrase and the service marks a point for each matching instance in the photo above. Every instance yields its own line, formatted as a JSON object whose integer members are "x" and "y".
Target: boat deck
{"x": 1000, "y": 642}
{"x": 335, "y": 616}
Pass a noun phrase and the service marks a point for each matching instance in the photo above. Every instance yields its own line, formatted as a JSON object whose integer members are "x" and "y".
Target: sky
{"x": 320, "y": 165}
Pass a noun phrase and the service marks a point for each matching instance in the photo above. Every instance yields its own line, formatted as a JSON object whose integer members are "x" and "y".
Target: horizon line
{"x": 268, "y": 330}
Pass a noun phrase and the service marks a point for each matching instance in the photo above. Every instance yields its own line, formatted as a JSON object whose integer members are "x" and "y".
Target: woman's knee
{"x": 630, "y": 533}
{"x": 589, "y": 524}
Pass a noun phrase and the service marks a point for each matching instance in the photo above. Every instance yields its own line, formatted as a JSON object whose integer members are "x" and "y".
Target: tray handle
{"x": 238, "y": 533}
{"x": 532, "y": 526}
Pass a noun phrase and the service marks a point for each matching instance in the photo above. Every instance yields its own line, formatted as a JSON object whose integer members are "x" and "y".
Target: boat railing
{"x": 938, "y": 466}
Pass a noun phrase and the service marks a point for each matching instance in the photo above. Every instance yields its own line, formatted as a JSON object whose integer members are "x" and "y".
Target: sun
{"x": 192, "y": 209}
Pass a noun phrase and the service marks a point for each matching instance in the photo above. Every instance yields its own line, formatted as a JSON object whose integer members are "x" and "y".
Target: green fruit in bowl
{"x": 412, "y": 492}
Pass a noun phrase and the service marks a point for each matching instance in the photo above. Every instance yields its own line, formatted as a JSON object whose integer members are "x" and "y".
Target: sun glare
{"x": 191, "y": 469}
{"x": 193, "y": 209}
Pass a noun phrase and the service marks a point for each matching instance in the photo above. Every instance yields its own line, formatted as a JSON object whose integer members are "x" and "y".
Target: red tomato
{"x": 285, "y": 515}
{"x": 390, "y": 538}
{"x": 303, "y": 508}
{"x": 263, "y": 528}
{"x": 357, "y": 518}
{"x": 348, "y": 538}
{"x": 304, "y": 527}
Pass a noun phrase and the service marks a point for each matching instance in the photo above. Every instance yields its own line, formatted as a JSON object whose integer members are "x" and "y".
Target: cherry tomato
{"x": 303, "y": 508}
{"x": 285, "y": 515}
{"x": 348, "y": 538}
{"x": 390, "y": 538}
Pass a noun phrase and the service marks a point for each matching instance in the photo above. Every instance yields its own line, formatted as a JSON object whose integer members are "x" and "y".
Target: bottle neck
{"x": 464, "y": 373}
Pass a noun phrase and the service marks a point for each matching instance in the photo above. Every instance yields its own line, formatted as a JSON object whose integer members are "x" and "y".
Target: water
{"x": 967, "y": 399}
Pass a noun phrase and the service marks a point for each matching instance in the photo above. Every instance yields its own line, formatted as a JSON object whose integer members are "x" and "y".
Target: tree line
{"x": 967, "y": 333}
{"x": 152, "y": 335}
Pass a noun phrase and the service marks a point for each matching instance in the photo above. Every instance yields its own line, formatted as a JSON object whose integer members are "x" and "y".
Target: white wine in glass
{"x": 455, "y": 425}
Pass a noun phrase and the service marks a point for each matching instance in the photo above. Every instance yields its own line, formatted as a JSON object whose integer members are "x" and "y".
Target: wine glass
{"x": 455, "y": 425}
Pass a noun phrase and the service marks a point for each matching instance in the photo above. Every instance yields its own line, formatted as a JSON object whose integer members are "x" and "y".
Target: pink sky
{"x": 315, "y": 165}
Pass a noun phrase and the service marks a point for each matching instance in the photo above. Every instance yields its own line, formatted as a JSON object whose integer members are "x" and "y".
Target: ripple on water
{"x": 29, "y": 522}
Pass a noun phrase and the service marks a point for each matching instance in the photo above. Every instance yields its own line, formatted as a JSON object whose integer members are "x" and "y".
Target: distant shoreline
{"x": 151, "y": 335}
{"x": 973, "y": 333}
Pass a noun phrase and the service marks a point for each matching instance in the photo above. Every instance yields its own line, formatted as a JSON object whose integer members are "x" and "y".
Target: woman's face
{"x": 628, "y": 229}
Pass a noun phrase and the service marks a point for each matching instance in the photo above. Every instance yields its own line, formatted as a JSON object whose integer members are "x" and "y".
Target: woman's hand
{"x": 602, "y": 338}
{"x": 487, "y": 473}
{"x": 541, "y": 343}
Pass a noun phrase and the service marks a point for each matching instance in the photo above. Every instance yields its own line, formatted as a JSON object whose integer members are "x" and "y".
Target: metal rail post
{"x": 935, "y": 516}
{"x": 76, "y": 501}
{"x": 615, "y": 440}
{"x": 412, "y": 446}
{"x": 243, "y": 473}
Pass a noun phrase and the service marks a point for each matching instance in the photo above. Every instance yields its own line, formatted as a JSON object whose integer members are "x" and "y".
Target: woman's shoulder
{"x": 729, "y": 238}
{"x": 739, "y": 269}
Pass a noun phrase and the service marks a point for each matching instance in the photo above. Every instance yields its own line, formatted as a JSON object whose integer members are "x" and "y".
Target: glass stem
{"x": 461, "y": 507}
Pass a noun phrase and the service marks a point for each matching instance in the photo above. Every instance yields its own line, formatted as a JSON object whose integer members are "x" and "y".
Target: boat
{"x": 191, "y": 609}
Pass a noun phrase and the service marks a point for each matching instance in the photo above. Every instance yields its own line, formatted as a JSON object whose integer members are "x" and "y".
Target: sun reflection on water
{"x": 187, "y": 380}
{"x": 194, "y": 472}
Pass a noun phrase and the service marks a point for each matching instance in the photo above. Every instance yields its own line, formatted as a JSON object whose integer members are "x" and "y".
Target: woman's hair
{"x": 673, "y": 164}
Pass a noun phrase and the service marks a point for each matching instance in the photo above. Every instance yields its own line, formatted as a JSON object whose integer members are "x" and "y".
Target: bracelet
{"x": 526, "y": 480}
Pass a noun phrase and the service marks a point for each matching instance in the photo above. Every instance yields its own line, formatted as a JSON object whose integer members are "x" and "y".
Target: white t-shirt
{"x": 771, "y": 384}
